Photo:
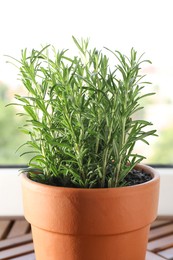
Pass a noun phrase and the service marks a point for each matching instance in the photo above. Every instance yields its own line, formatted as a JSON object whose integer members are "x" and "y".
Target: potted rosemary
{"x": 85, "y": 192}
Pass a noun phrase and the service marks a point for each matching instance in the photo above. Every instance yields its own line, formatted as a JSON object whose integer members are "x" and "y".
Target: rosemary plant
{"x": 80, "y": 115}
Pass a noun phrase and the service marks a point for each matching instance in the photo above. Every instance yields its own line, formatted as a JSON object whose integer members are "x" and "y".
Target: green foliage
{"x": 163, "y": 150}
{"x": 80, "y": 115}
{"x": 10, "y": 136}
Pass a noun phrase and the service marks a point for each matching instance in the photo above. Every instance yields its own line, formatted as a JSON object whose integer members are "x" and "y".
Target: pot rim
{"x": 154, "y": 173}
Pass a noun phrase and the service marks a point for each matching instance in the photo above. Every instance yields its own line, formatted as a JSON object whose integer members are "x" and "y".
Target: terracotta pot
{"x": 91, "y": 224}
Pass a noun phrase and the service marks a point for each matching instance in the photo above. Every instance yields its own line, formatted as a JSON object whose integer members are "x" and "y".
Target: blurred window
{"x": 118, "y": 25}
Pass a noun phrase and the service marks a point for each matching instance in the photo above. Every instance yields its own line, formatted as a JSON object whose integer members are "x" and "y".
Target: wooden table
{"x": 16, "y": 240}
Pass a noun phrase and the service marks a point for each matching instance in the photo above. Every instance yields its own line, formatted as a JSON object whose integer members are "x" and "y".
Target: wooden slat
{"x": 11, "y": 218}
{"x": 16, "y": 251}
{"x": 161, "y": 231}
{"x": 160, "y": 244}
{"x": 158, "y": 223}
{"x": 12, "y": 242}
{"x": 151, "y": 256}
{"x": 25, "y": 257}
{"x": 4, "y": 225}
{"x": 20, "y": 227}
{"x": 168, "y": 253}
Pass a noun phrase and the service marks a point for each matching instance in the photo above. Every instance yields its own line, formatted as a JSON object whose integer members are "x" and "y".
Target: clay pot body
{"x": 91, "y": 224}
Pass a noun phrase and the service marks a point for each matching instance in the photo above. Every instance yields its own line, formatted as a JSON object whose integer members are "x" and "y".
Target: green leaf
{"x": 78, "y": 45}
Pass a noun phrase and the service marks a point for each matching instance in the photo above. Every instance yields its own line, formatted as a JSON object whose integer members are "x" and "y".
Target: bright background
{"x": 144, "y": 25}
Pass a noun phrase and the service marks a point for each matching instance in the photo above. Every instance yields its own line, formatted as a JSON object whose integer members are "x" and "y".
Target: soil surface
{"x": 137, "y": 177}
{"x": 134, "y": 177}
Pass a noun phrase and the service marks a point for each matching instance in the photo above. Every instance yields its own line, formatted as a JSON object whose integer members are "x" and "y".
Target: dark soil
{"x": 134, "y": 177}
{"x": 137, "y": 177}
